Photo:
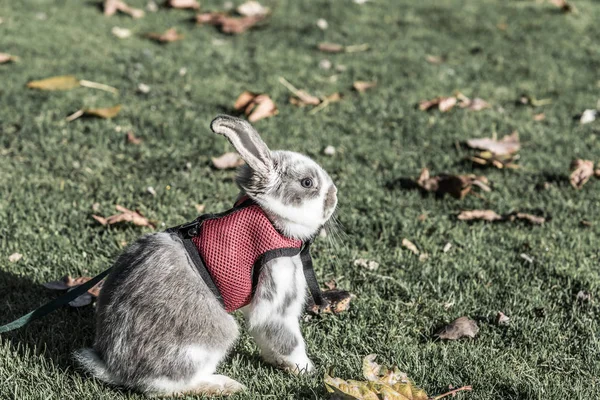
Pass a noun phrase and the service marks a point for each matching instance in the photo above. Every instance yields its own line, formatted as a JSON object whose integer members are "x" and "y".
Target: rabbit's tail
{"x": 91, "y": 362}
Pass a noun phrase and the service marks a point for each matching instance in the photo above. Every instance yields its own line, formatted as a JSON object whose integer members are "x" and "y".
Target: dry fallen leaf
{"x": 227, "y": 161}
{"x": 487, "y": 158}
{"x": 588, "y": 116}
{"x": 382, "y": 383}
{"x": 199, "y": 208}
{"x": 363, "y": 86}
{"x": 532, "y": 219}
{"x": 64, "y": 82}
{"x": 459, "y": 328}
{"x": 5, "y": 58}
{"x": 106, "y": 113}
{"x": 489, "y": 215}
{"x": 336, "y": 301}
{"x": 444, "y": 104}
{"x": 475, "y": 104}
{"x": 68, "y": 283}
{"x": 131, "y": 138}
{"x": 121, "y": 33}
{"x": 509, "y": 144}
{"x": 227, "y": 24}
{"x": 486, "y": 215}
{"x": 457, "y": 186}
{"x": 330, "y": 47}
{"x": 564, "y": 6}
{"x": 539, "y": 117}
{"x": 435, "y": 59}
{"x": 14, "y": 257}
{"x": 125, "y": 215}
{"x": 68, "y": 82}
{"x": 255, "y": 106}
{"x": 502, "y": 319}
{"x": 112, "y": 6}
{"x": 366, "y": 264}
{"x": 582, "y": 171}
{"x": 184, "y": 4}
{"x": 168, "y": 36}
{"x": 252, "y": 9}
{"x": 410, "y": 246}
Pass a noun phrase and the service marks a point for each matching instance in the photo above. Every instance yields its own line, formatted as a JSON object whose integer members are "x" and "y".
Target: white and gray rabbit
{"x": 160, "y": 330}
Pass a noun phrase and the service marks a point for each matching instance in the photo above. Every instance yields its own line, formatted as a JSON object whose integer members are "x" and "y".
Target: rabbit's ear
{"x": 246, "y": 141}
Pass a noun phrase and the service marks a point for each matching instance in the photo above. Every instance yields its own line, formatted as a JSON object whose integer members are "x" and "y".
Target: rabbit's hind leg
{"x": 203, "y": 381}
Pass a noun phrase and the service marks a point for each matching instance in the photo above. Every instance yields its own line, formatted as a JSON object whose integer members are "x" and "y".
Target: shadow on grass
{"x": 55, "y": 335}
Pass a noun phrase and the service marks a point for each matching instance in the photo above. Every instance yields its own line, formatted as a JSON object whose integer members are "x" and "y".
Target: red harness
{"x": 229, "y": 250}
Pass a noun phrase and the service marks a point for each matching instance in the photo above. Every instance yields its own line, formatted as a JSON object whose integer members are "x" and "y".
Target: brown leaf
{"x": 363, "y": 86}
{"x": 564, "y": 6}
{"x": 459, "y": 328}
{"x": 435, "y": 59}
{"x": 131, "y": 138}
{"x": 66, "y": 282}
{"x": 487, "y": 158}
{"x": 444, "y": 104}
{"x": 227, "y": 24}
{"x": 330, "y": 47}
{"x": 336, "y": 300}
{"x": 64, "y": 82}
{"x": 227, "y": 161}
{"x": 125, "y": 215}
{"x": 509, "y": 144}
{"x": 199, "y": 208}
{"x": 410, "y": 246}
{"x": 184, "y": 4}
{"x": 475, "y": 104}
{"x": 486, "y": 215}
{"x": 582, "y": 171}
{"x": 244, "y": 100}
{"x": 366, "y": 264}
{"x": 265, "y": 107}
{"x": 14, "y": 257}
{"x": 303, "y": 99}
{"x": 112, "y": 6}
{"x": 532, "y": 219}
{"x": 256, "y": 106}
{"x": 539, "y": 117}
{"x": 331, "y": 284}
{"x": 252, "y": 9}
{"x": 168, "y": 36}
{"x": 5, "y": 58}
{"x": 457, "y": 186}
{"x": 502, "y": 319}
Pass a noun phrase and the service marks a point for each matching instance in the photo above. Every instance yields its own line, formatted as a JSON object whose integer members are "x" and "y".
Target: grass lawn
{"x": 52, "y": 171}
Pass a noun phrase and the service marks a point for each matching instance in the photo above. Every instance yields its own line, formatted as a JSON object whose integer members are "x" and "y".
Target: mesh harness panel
{"x": 229, "y": 250}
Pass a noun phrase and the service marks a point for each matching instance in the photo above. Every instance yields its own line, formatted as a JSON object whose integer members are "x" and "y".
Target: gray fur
{"x": 152, "y": 306}
{"x": 266, "y": 285}
{"x": 281, "y": 339}
{"x": 330, "y": 199}
{"x": 246, "y": 141}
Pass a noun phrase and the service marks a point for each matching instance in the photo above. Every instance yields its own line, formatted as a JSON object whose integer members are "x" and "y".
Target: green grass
{"x": 51, "y": 172}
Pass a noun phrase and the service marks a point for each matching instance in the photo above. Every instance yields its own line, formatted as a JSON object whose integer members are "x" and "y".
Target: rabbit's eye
{"x": 306, "y": 183}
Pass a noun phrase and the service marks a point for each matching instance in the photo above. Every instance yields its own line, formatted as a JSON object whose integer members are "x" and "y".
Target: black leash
{"x": 311, "y": 277}
{"x": 54, "y": 304}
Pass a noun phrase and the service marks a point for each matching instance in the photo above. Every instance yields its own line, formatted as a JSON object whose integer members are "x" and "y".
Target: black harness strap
{"x": 310, "y": 276}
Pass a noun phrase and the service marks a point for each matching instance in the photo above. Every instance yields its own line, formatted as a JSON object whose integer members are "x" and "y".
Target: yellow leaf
{"x": 370, "y": 368}
{"x": 108, "y": 112}
{"x": 64, "y": 82}
{"x": 349, "y": 389}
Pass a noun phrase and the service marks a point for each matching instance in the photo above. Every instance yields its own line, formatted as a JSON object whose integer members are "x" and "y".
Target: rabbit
{"x": 161, "y": 331}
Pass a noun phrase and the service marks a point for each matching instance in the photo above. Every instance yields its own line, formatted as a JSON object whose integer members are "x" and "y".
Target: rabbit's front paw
{"x": 299, "y": 367}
